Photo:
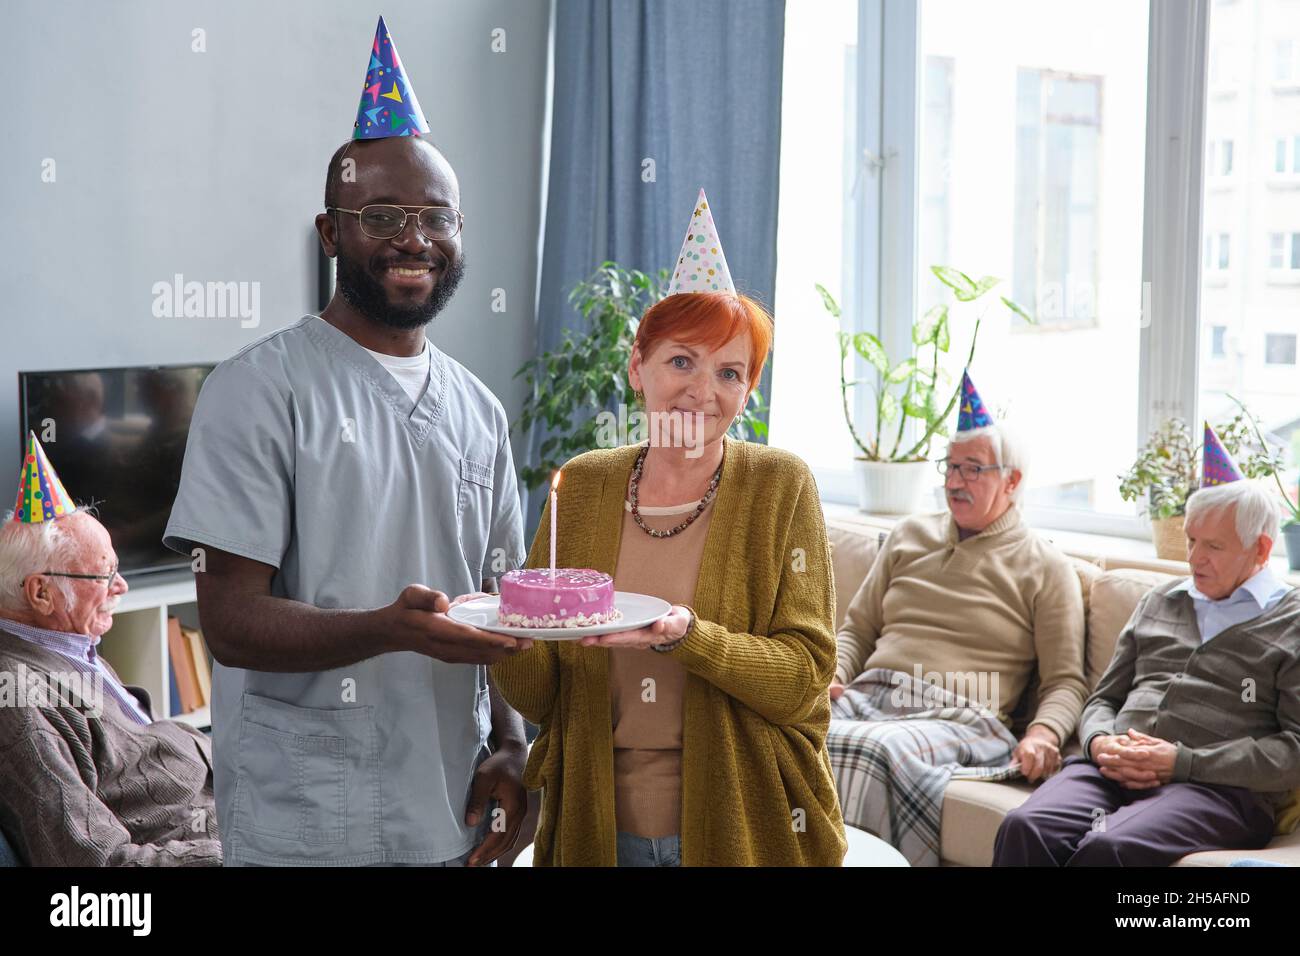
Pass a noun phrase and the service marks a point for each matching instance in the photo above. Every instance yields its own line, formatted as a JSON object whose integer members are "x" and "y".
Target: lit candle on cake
{"x": 555, "y": 483}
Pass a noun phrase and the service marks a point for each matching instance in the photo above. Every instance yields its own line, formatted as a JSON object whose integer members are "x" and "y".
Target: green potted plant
{"x": 893, "y": 469}
{"x": 571, "y": 386}
{"x": 1167, "y": 471}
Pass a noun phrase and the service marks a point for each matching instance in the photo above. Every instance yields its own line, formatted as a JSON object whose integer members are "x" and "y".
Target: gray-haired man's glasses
{"x": 969, "y": 473}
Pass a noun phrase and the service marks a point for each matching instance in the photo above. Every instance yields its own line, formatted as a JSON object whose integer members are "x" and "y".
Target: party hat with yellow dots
{"x": 388, "y": 105}
{"x": 41, "y": 496}
{"x": 701, "y": 266}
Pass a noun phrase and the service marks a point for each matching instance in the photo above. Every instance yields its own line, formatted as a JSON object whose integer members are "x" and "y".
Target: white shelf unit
{"x": 136, "y": 644}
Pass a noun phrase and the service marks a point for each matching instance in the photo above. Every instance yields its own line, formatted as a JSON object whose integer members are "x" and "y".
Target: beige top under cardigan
{"x": 1003, "y": 603}
{"x": 646, "y": 686}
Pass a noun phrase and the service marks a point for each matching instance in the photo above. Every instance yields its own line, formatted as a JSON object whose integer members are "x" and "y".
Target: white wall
{"x": 212, "y": 165}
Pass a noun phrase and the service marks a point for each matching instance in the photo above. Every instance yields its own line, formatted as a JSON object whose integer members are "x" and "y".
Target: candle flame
{"x": 555, "y": 481}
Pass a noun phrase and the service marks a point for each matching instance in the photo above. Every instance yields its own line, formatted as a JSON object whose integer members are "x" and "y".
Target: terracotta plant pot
{"x": 1169, "y": 538}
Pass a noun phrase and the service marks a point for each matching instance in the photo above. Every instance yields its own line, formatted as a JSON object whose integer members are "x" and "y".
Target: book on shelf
{"x": 174, "y": 693}
{"x": 199, "y": 654}
{"x": 181, "y": 660}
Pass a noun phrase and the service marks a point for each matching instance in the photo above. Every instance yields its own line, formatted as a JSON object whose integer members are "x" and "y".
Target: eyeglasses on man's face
{"x": 967, "y": 471}
{"x": 381, "y": 221}
{"x": 106, "y": 579}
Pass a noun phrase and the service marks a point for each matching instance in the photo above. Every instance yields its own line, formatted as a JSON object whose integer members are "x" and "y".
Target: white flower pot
{"x": 895, "y": 487}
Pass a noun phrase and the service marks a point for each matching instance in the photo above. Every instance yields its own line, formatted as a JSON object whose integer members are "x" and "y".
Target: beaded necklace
{"x": 636, "y": 511}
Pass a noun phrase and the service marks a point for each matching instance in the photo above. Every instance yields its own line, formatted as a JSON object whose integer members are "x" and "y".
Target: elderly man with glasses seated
{"x": 960, "y": 612}
{"x": 87, "y": 777}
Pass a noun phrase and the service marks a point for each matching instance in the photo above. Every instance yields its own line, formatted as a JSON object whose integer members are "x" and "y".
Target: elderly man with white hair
{"x": 87, "y": 777}
{"x": 1192, "y": 737}
{"x": 959, "y": 613}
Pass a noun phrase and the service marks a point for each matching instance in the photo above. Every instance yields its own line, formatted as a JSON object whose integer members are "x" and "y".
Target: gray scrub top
{"x": 304, "y": 453}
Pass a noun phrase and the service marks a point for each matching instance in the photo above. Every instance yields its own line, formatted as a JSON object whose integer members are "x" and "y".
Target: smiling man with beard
{"x": 342, "y": 477}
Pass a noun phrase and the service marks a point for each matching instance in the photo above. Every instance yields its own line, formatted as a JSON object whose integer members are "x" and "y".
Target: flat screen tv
{"x": 116, "y": 436}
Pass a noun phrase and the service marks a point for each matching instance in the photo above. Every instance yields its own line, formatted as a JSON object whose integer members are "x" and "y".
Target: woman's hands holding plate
{"x": 667, "y": 629}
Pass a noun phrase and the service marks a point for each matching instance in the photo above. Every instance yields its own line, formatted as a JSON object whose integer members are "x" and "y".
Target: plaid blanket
{"x": 895, "y": 743}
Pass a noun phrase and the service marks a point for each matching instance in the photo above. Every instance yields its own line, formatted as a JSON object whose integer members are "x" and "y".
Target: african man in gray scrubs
{"x": 342, "y": 477}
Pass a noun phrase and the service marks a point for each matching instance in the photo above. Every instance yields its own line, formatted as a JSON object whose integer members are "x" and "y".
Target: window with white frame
{"x": 936, "y": 173}
{"x": 1223, "y": 70}
{"x": 1286, "y": 155}
{"x": 821, "y": 174}
{"x": 1261, "y": 308}
{"x": 1218, "y": 344}
{"x": 1050, "y": 125}
{"x": 947, "y": 109}
{"x": 1218, "y": 248}
{"x": 1286, "y": 61}
{"x": 1284, "y": 250}
{"x": 1057, "y": 195}
{"x": 1279, "y": 348}
{"x": 1219, "y": 158}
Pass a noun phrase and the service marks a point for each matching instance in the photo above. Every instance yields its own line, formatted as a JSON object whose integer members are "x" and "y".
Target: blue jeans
{"x": 647, "y": 851}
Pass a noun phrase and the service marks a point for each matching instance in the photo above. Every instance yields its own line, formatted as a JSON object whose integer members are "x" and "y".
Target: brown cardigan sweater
{"x": 757, "y": 787}
{"x": 101, "y": 791}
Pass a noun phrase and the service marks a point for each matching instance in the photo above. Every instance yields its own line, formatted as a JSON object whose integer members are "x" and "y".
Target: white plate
{"x": 638, "y": 611}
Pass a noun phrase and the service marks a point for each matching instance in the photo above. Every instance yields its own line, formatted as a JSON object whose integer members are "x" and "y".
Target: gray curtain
{"x": 693, "y": 86}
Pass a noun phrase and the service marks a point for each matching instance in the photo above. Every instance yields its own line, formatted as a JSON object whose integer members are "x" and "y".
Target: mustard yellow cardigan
{"x": 757, "y": 787}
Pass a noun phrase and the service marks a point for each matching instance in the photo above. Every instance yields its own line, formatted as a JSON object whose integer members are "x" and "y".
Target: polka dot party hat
{"x": 41, "y": 496}
{"x": 1217, "y": 466}
{"x": 701, "y": 266}
{"x": 971, "y": 414}
{"x": 388, "y": 104}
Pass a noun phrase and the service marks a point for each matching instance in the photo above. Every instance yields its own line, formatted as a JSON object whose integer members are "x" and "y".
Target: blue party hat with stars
{"x": 388, "y": 105}
{"x": 972, "y": 413}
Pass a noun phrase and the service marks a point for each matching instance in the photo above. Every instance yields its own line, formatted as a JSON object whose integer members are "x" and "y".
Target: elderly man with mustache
{"x": 958, "y": 614}
{"x": 86, "y": 778}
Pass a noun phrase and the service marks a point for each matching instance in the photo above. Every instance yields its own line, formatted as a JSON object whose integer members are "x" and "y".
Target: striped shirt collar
{"x": 80, "y": 649}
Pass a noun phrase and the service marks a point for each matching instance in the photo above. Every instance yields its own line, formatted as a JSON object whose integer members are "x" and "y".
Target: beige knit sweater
{"x": 1000, "y": 604}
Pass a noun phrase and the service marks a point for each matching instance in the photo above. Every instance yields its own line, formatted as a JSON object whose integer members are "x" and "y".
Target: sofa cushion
{"x": 1088, "y": 572}
{"x": 853, "y": 550}
{"x": 972, "y": 812}
{"x": 1283, "y": 849}
{"x": 1115, "y": 594}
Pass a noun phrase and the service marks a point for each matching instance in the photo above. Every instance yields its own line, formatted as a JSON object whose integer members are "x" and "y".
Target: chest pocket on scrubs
{"x": 474, "y": 512}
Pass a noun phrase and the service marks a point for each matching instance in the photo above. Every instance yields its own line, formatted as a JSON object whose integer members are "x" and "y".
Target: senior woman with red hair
{"x": 700, "y": 739}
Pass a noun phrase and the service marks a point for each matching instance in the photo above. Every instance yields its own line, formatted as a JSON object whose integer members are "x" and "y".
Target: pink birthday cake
{"x": 566, "y": 597}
